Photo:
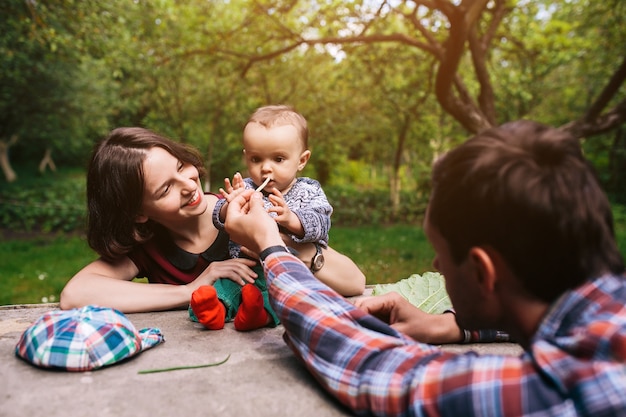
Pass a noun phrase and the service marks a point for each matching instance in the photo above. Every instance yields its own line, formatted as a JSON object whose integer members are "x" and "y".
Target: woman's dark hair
{"x": 115, "y": 186}
{"x": 527, "y": 191}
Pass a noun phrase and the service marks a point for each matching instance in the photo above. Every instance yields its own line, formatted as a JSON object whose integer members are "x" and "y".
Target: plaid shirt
{"x": 574, "y": 366}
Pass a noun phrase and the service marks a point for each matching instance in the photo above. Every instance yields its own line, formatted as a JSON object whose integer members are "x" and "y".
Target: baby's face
{"x": 275, "y": 152}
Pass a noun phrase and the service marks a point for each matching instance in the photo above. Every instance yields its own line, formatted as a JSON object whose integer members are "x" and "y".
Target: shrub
{"x": 44, "y": 204}
{"x": 355, "y": 207}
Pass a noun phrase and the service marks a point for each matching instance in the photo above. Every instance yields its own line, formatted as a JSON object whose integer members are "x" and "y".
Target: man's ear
{"x": 304, "y": 158}
{"x": 484, "y": 266}
{"x": 141, "y": 218}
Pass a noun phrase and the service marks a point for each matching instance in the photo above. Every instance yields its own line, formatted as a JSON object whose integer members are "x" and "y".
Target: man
{"x": 524, "y": 237}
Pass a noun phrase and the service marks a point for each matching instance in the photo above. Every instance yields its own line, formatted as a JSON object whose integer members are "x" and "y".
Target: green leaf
{"x": 178, "y": 368}
{"x": 427, "y": 291}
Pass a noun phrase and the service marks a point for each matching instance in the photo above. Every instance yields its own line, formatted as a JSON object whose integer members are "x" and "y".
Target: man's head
{"x": 525, "y": 191}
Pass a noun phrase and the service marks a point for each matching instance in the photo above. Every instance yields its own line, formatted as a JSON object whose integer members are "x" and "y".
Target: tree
{"x": 401, "y": 95}
{"x": 463, "y": 39}
{"x": 19, "y": 79}
{"x": 389, "y": 84}
{"x": 52, "y": 94}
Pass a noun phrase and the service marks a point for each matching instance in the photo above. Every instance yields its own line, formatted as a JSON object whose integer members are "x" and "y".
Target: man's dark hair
{"x": 527, "y": 191}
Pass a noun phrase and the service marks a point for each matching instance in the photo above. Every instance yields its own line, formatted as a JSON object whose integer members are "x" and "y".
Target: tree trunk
{"x": 47, "y": 161}
{"x": 395, "y": 181}
{"x": 5, "y": 163}
{"x": 617, "y": 166}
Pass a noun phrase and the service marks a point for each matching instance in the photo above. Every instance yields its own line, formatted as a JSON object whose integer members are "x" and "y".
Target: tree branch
{"x": 593, "y": 121}
{"x": 336, "y": 40}
{"x": 461, "y": 20}
{"x": 478, "y": 46}
{"x": 608, "y": 121}
{"x": 432, "y": 41}
{"x": 607, "y": 93}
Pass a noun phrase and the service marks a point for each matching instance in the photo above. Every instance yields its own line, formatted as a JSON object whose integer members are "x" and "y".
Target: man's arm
{"x": 333, "y": 337}
{"x": 369, "y": 366}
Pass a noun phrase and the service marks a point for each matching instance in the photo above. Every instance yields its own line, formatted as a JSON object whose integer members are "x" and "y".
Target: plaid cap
{"x": 83, "y": 339}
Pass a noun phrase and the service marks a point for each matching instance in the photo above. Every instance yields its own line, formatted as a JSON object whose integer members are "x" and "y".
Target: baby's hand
{"x": 232, "y": 190}
{"x": 238, "y": 181}
{"x": 280, "y": 208}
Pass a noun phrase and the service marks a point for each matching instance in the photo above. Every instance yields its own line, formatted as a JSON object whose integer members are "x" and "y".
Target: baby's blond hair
{"x": 280, "y": 115}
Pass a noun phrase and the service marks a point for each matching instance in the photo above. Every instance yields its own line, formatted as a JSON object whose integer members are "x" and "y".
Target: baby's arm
{"x": 284, "y": 216}
{"x": 310, "y": 208}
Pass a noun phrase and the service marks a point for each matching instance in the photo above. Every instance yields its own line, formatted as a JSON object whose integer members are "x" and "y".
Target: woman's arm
{"x": 110, "y": 284}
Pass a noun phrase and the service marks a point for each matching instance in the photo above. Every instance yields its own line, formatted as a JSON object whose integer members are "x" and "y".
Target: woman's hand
{"x": 403, "y": 316}
{"x": 237, "y": 270}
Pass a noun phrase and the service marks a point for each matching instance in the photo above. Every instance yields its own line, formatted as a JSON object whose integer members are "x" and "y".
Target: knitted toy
{"x": 225, "y": 301}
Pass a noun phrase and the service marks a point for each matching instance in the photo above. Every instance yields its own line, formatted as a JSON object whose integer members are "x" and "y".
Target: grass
{"x": 385, "y": 253}
{"x": 35, "y": 270}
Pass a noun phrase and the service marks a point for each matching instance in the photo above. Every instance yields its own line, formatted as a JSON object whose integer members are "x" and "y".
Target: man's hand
{"x": 403, "y": 316}
{"x": 249, "y": 224}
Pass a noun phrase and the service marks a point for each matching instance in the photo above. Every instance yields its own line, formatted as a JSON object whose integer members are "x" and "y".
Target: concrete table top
{"x": 262, "y": 377}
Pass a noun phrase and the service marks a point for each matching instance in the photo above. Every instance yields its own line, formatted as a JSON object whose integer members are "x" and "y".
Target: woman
{"x": 148, "y": 217}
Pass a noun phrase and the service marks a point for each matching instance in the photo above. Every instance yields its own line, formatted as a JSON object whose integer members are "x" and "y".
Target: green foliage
{"x": 558, "y": 64}
{"x": 55, "y": 202}
{"x": 353, "y": 207}
{"x": 53, "y": 95}
{"x": 426, "y": 291}
{"x": 619, "y": 218}
{"x": 195, "y": 70}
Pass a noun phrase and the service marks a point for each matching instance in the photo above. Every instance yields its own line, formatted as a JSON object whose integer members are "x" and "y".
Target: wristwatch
{"x": 273, "y": 249}
{"x": 318, "y": 259}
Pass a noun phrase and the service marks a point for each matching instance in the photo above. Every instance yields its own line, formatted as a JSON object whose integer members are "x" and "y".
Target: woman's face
{"x": 172, "y": 189}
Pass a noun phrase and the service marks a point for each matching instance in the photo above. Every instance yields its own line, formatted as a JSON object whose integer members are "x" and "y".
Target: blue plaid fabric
{"x": 83, "y": 339}
{"x": 575, "y": 364}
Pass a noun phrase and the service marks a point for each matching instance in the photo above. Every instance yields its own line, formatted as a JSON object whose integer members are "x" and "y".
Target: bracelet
{"x": 467, "y": 335}
{"x": 272, "y": 249}
{"x": 481, "y": 336}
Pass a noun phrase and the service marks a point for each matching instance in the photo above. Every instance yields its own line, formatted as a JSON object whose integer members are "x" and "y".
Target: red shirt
{"x": 162, "y": 262}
